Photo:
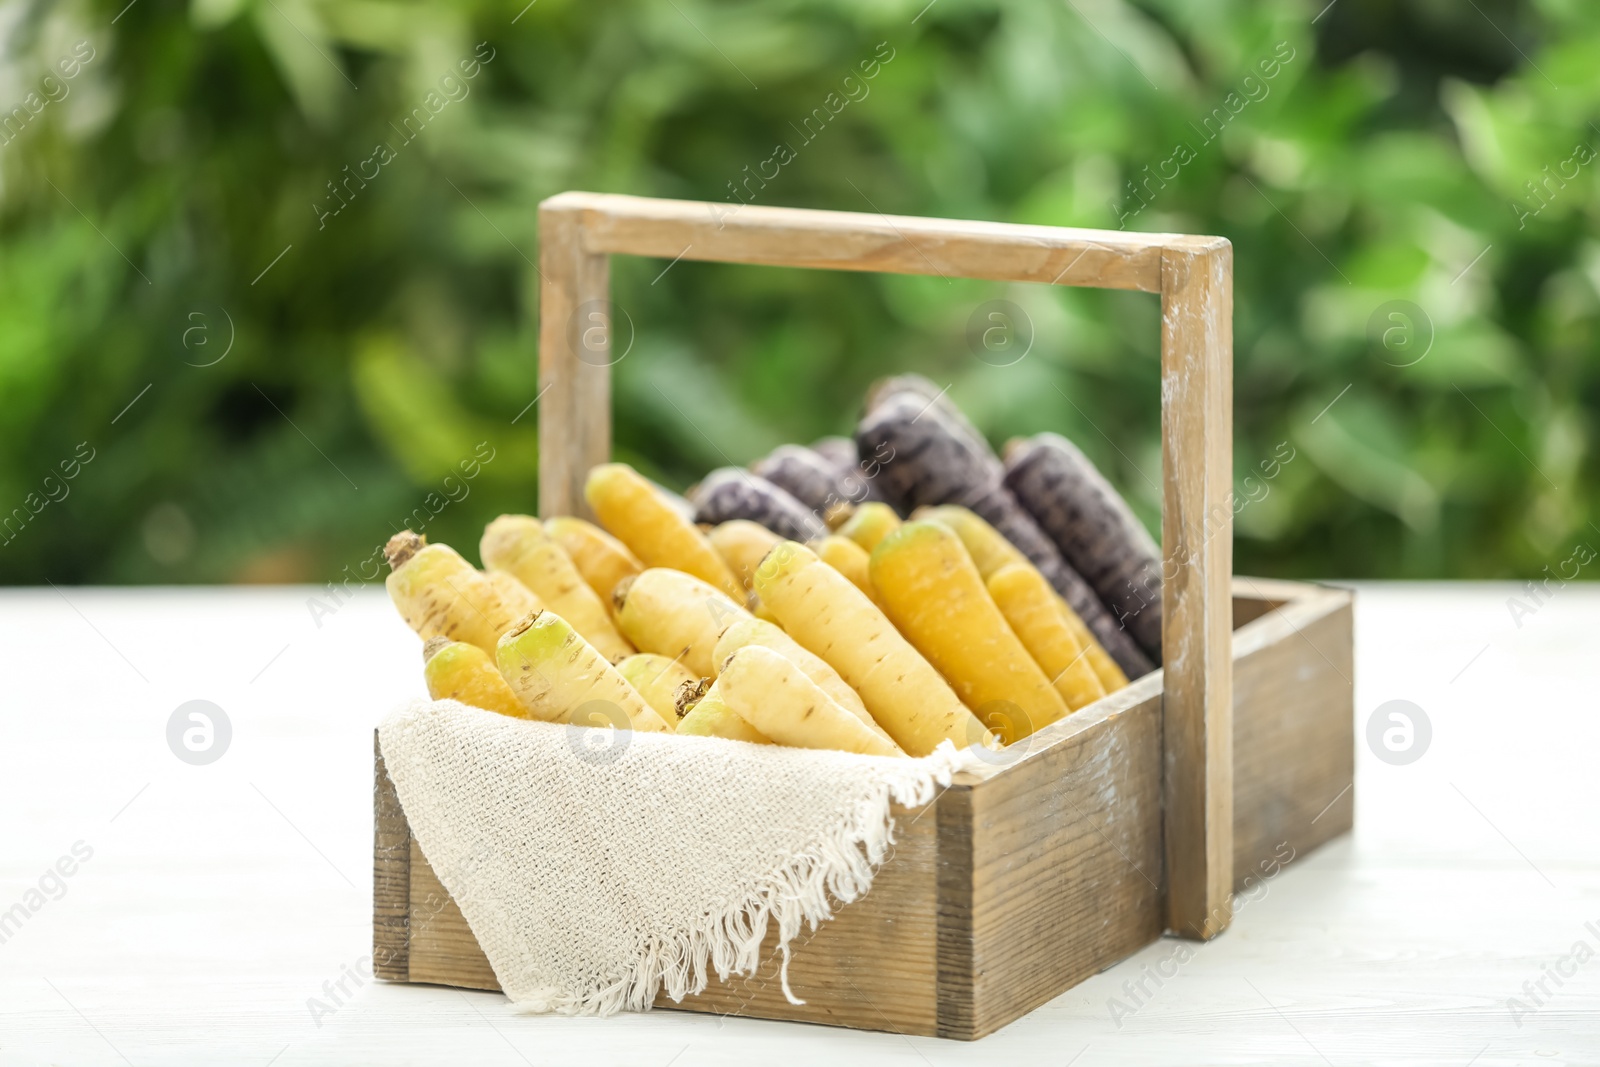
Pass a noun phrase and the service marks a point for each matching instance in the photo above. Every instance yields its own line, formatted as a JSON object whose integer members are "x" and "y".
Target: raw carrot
{"x": 675, "y": 615}
{"x": 774, "y": 696}
{"x": 928, "y": 398}
{"x": 733, "y": 493}
{"x": 705, "y": 714}
{"x": 834, "y": 620}
{"x": 849, "y": 559}
{"x": 748, "y": 632}
{"x": 802, "y": 474}
{"x": 933, "y": 593}
{"x": 633, "y": 509}
{"x": 657, "y": 679}
{"x": 455, "y": 670}
{"x": 516, "y": 598}
{"x": 837, "y": 451}
{"x": 1094, "y": 528}
{"x": 741, "y": 544}
{"x": 869, "y": 523}
{"x": 991, "y": 552}
{"x": 600, "y": 558}
{"x": 1106, "y": 669}
{"x": 519, "y": 546}
{"x": 439, "y": 594}
{"x": 1036, "y": 615}
{"x": 819, "y": 482}
{"x": 559, "y": 677}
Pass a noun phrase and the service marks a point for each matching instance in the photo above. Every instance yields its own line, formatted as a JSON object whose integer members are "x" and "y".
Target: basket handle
{"x": 579, "y": 232}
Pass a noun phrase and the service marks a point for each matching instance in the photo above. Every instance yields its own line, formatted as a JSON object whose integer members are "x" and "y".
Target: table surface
{"x": 217, "y": 902}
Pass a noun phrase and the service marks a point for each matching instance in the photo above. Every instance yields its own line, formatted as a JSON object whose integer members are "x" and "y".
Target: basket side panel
{"x": 1294, "y": 735}
{"x": 391, "y": 876}
{"x": 957, "y": 971}
{"x": 1067, "y": 869}
{"x": 443, "y": 949}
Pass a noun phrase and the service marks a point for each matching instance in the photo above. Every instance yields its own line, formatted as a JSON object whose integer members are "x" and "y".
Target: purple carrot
{"x": 932, "y": 460}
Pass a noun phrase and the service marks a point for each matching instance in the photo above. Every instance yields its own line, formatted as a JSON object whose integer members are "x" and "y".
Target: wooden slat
{"x": 844, "y": 240}
{"x": 957, "y": 972}
{"x": 443, "y": 949}
{"x": 1294, "y": 731}
{"x": 574, "y": 362}
{"x": 1197, "y": 546}
{"x": 1271, "y": 593}
{"x": 1067, "y": 862}
{"x": 391, "y": 876}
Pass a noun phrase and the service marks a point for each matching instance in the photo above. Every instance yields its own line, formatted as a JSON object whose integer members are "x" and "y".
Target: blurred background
{"x": 266, "y": 283}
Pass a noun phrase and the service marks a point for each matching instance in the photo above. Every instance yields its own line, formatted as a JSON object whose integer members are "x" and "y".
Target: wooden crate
{"x": 1137, "y": 815}
{"x": 1017, "y": 882}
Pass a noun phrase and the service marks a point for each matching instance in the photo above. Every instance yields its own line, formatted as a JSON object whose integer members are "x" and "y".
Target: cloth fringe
{"x": 800, "y": 892}
{"x": 489, "y": 799}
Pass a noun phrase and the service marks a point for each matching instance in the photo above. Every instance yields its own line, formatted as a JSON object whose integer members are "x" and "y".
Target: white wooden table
{"x": 218, "y": 900}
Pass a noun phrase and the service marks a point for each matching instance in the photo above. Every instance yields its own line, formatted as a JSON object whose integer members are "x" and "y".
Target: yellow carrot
{"x": 675, "y": 615}
{"x": 750, "y": 632}
{"x": 517, "y": 599}
{"x": 705, "y": 714}
{"x": 932, "y": 591}
{"x": 834, "y": 620}
{"x": 1033, "y": 611}
{"x": 869, "y": 523}
{"x": 439, "y": 594}
{"x": 760, "y": 611}
{"x": 741, "y": 544}
{"x": 657, "y": 679}
{"x": 559, "y": 677}
{"x": 600, "y": 558}
{"x": 987, "y": 546}
{"x": 633, "y": 509}
{"x": 518, "y": 545}
{"x": 990, "y": 551}
{"x": 455, "y": 670}
{"x": 838, "y": 514}
{"x": 849, "y": 559}
{"x": 1111, "y": 676}
{"x": 773, "y": 695}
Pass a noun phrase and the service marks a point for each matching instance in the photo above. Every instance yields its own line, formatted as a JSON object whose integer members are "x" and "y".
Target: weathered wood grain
{"x": 443, "y": 950}
{"x": 861, "y": 241}
{"x": 391, "y": 876}
{"x": 958, "y": 948}
{"x": 1197, "y": 551}
{"x": 1066, "y": 871}
{"x": 1294, "y": 729}
{"x": 575, "y": 333}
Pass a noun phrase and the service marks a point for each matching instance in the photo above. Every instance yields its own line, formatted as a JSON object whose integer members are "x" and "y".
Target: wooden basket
{"x": 1136, "y": 815}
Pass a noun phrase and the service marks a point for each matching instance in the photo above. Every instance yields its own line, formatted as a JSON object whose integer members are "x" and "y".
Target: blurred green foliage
{"x": 172, "y": 198}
